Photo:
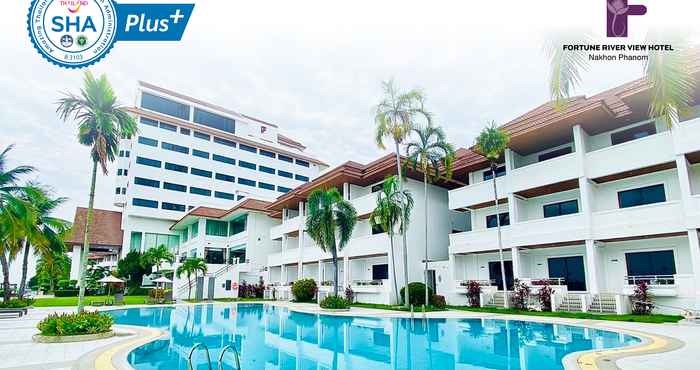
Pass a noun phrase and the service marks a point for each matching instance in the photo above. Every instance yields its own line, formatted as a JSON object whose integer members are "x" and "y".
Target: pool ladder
{"x": 221, "y": 356}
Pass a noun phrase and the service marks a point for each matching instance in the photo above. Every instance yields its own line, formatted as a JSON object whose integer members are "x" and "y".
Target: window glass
{"x": 285, "y": 174}
{"x": 148, "y": 141}
{"x": 175, "y": 187}
{"x": 247, "y": 182}
{"x": 377, "y": 187}
{"x": 175, "y": 147}
{"x": 562, "y": 208}
{"x": 173, "y": 207}
{"x": 267, "y": 169}
{"x": 282, "y": 189}
{"x": 167, "y": 126}
{"x": 201, "y": 135}
{"x": 117, "y": 191}
{"x": 380, "y": 272}
{"x": 224, "y": 159}
{"x": 200, "y": 191}
{"x": 198, "y": 172}
{"x": 152, "y": 240}
{"x": 264, "y": 185}
{"x": 195, "y": 229}
{"x": 148, "y": 162}
{"x": 650, "y": 263}
{"x": 224, "y": 177}
{"x": 238, "y": 225}
{"x": 553, "y": 154}
{"x": 500, "y": 171}
{"x": 245, "y": 164}
{"x": 221, "y": 141}
{"x": 239, "y": 197}
{"x": 633, "y": 133}
{"x": 217, "y": 228}
{"x": 224, "y": 195}
{"x": 146, "y": 182}
{"x": 214, "y": 120}
{"x": 248, "y": 148}
{"x": 267, "y": 153}
{"x": 165, "y": 106}
{"x": 504, "y": 220}
{"x": 285, "y": 158}
{"x": 185, "y": 131}
{"x": 175, "y": 167}
{"x": 149, "y": 122}
{"x": 135, "y": 243}
{"x": 377, "y": 229}
{"x": 301, "y": 178}
{"x": 641, "y": 196}
{"x": 200, "y": 153}
{"x": 138, "y": 202}
{"x": 570, "y": 269}
{"x": 302, "y": 163}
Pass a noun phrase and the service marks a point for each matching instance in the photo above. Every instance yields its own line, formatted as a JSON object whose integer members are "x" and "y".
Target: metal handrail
{"x": 651, "y": 279}
{"x": 235, "y": 354}
{"x": 189, "y": 357}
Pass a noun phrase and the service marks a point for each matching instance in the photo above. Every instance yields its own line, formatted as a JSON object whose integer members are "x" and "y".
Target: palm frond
{"x": 566, "y": 66}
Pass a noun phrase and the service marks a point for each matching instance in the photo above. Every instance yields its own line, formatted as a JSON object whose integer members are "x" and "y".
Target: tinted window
{"x": 285, "y": 174}
{"x": 185, "y": 131}
{"x": 221, "y": 141}
{"x": 641, "y": 196}
{"x": 224, "y": 159}
{"x": 264, "y": 185}
{"x": 377, "y": 187}
{"x": 500, "y": 171}
{"x": 561, "y": 208}
{"x": 175, "y": 147}
{"x": 267, "y": 153}
{"x": 224, "y": 177}
{"x": 173, "y": 207}
{"x": 245, "y": 164}
{"x": 650, "y": 263}
{"x": 146, "y": 182}
{"x": 201, "y": 135}
{"x": 504, "y": 220}
{"x": 301, "y": 178}
{"x": 246, "y": 182}
{"x": 200, "y": 191}
{"x": 267, "y": 169}
{"x": 554, "y": 154}
{"x": 174, "y": 187}
{"x": 248, "y": 148}
{"x": 214, "y": 120}
{"x": 198, "y": 172}
{"x": 380, "y": 272}
{"x": 302, "y": 163}
{"x": 175, "y": 167}
{"x": 633, "y": 133}
{"x": 200, "y": 153}
{"x": 282, "y": 189}
{"x": 169, "y": 127}
{"x": 285, "y": 158}
{"x": 138, "y": 202}
{"x": 148, "y": 162}
{"x": 165, "y": 106}
{"x": 223, "y": 195}
{"x": 570, "y": 269}
{"x": 148, "y": 141}
{"x": 149, "y": 122}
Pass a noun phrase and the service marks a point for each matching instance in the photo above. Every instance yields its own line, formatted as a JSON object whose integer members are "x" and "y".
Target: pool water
{"x": 275, "y": 338}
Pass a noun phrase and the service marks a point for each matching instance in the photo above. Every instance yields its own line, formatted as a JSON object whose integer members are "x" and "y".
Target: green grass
{"x": 652, "y": 319}
{"x": 395, "y": 307}
{"x": 241, "y": 299}
{"x": 73, "y": 301}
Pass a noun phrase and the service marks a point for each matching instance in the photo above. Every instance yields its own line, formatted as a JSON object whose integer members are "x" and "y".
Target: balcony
{"x": 478, "y": 240}
{"x": 685, "y": 137}
{"x": 661, "y": 285}
{"x": 478, "y": 193}
{"x": 549, "y": 230}
{"x": 650, "y": 219}
{"x": 365, "y": 204}
{"x": 547, "y": 172}
{"x": 632, "y": 155}
{"x": 692, "y": 219}
{"x": 288, "y": 226}
{"x": 367, "y": 245}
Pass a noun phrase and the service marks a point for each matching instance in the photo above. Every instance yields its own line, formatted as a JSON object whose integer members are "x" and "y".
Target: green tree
{"x": 396, "y": 115}
{"x": 191, "y": 266}
{"x": 102, "y": 122}
{"x": 492, "y": 143}
{"x": 156, "y": 256}
{"x": 132, "y": 268}
{"x": 330, "y": 222}
{"x": 393, "y": 211}
{"x": 52, "y": 267}
{"x": 433, "y": 156}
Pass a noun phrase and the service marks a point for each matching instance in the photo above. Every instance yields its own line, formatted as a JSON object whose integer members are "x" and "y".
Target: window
{"x": 148, "y": 162}
{"x": 247, "y": 182}
{"x": 633, "y": 133}
{"x": 224, "y": 159}
{"x": 650, "y": 263}
{"x": 174, "y": 187}
{"x": 185, "y": 131}
{"x": 282, "y": 189}
{"x": 217, "y": 228}
{"x": 167, "y": 126}
{"x": 504, "y": 219}
{"x": 248, "y": 148}
{"x": 377, "y": 229}
{"x": 195, "y": 229}
{"x": 224, "y": 195}
{"x": 641, "y": 196}
{"x": 184, "y": 235}
{"x": 201, "y": 135}
{"x": 561, "y": 208}
{"x": 380, "y": 272}
{"x": 148, "y": 141}
{"x": 267, "y": 169}
{"x": 123, "y": 190}
{"x": 175, "y": 147}
{"x": 377, "y": 187}
{"x": 267, "y": 153}
{"x": 200, "y": 191}
{"x": 221, "y": 141}
{"x": 146, "y": 182}
{"x": 118, "y": 191}
{"x": 245, "y": 164}
{"x": 224, "y": 177}
{"x": 264, "y": 185}
{"x": 138, "y": 202}
{"x": 301, "y": 178}
{"x": 570, "y": 269}
{"x": 500, "y": 171}
{"x": 200, "y": 153}
{"x": 285, "y": 174}
{"x": 554, "y": 153}
{"x": 239, "y": 197}
{"x": 135, "y": 242}
{"x": 214, "y": 120}
{"x": 302, "y": 163}
{"x": 165, "y": 106}
{"x": 149, "y": 122}
{"x": 127, "y": 153}
{"x": 175, "y": 167}
{"x": 152, "y": 240}
{"x": 285, "y": 158}
{"x": 172, "y": 207}
{"x": 198, "y": 172}
{"x": 122, "y": 172}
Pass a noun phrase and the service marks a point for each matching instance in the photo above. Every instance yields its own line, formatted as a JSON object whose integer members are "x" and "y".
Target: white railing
{"x": 367, "y": 283}
{"x": 653, "y": 280}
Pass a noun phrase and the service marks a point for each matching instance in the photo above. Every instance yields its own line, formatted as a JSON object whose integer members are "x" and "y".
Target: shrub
{"x": 136, "y": 290}
{"x": 349, "y": 294}
{"x": 75, "y": 324}
{"x": 641, "y": 299}
{"x": 334, "y": 303}
{"x": 474, "y": 293}
{"x": 66, "y": 293}
{"x": 246, "y": 290}
{"x": 438, "y": 301}
{"x": 416, "y": 294}
{"x": 521, "y": 294}
{"x": 545, "y": 295}
{"x": 304, "y": 290}
{"x": 17, "y": 303}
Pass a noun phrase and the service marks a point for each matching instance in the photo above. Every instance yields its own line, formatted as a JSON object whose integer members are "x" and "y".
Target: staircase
{"x": 182, "y": 291}
{"x": 571, "y": 303}
{"x": 496, "y": 300}
{"x": 603, "y": 303}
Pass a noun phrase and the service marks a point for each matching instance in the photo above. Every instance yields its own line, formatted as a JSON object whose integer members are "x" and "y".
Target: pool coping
{"x": 583, "y": 360}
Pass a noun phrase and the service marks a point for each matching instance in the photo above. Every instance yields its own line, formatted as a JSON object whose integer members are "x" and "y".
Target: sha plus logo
{"x": 617, "y": 13}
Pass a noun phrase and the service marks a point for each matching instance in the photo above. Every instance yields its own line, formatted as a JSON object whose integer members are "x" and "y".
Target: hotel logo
{"x": 618, "y": 11}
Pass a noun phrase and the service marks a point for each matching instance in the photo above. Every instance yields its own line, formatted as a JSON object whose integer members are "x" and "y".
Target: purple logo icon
{"x": 618, "y": 10}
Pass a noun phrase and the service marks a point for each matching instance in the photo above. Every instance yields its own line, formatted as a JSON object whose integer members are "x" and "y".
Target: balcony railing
{"x": 367, "y": 282}
{"x": 652, "y": 280}
{"x": 465, "y": 283}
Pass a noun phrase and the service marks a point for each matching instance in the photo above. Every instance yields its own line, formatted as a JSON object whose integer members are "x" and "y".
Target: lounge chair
{"x": 10, "y": 312}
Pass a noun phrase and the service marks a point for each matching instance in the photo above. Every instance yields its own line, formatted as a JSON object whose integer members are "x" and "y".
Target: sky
{"x": 315, "y": 69}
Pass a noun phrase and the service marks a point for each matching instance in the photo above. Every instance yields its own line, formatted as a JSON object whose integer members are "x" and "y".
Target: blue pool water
{"x": 276, "y": 338}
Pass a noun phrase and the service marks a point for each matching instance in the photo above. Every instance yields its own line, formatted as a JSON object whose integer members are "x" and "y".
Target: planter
{"x": 335, "y": 309}
{"x": 72, "y": 338}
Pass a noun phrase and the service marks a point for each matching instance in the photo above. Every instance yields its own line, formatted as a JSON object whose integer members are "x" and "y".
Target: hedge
{"x": 416, "y": 294}
{"x": 304, "y": 290}
{"x": 75, "y": 324}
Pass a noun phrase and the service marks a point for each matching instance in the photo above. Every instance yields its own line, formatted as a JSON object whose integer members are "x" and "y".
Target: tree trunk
{"x": 25, "y": 264}
{"x": 425, "y": 204}
{"x": 5, "y": 277}
{"x": 334, "y": 252}
{"x": 189, "y": 286}
{"x": 403, "y": 233}
{"x": 500, "y": 239}
{"x": 86, "y": 240}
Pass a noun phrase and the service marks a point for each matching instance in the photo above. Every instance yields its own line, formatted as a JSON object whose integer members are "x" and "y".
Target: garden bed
{"x": 71, "y": 338}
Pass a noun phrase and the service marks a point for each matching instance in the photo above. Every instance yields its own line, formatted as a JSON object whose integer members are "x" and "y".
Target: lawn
{"x": 241, "y": 299}
{"x": 653, "y": 319}
{"x": 395, "y": 307}
{"x": 73, "y": 301}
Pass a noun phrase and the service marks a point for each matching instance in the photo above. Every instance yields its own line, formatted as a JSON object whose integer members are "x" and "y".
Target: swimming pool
{"x": 275, "y": 338}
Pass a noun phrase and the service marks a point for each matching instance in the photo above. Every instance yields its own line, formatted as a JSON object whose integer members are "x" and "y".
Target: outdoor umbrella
{"x": 110, "y": 279}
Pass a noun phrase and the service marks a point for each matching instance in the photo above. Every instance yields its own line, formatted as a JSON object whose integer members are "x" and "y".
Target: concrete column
{"x": 694, "y": 244}
{"x": 684, "y": 182}
{"x": 510, "y": 160}
{"x": 347, "y": 275}
{"x": 320, "y": 274}
{"x": 593, "y": 267}
{"x": 346, "y": 191}
{"x": 513, "y": 208}
{"x": 301, "y": 240}
{"x": 75, "y": 263}
{"x": 283, "y": 274}
{"x": 517, "y": 270}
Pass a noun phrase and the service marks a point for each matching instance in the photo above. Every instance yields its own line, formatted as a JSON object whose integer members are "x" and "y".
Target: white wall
{"x": 605, "y": 194}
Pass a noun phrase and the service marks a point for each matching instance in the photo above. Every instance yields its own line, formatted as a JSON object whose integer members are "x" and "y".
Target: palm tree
{"x": 393, "y": 210}
{"x": 102, "y": 122}
{"x": 668, "y": 74}
{"x": 53, "y": 266}
{"x": 492, "y": 143}
{"x": 396, "y": 115}
{"x": 330, "y": 222}
{"x": 189, "y": 267}
{"x": 157, "y": 255}
{"x": 433, "y": 155}
{"x": 45, "y": 235}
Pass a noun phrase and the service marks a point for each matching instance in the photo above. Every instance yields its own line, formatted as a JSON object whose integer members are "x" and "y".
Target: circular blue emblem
{"x": 72, "y": 33}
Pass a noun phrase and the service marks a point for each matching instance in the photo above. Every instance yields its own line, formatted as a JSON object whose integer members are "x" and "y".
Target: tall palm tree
{"x": 44, "y": 237}
{"x": 191, "y": 266}
{"x": 492, "y": 143}
{"x": 392, "y": 212}
{"x": 53, "y": 267}
{"x": 668, "y": 74}
{"x": 433, "y": 155}
{"x": 156, "y": 256}
{"x": 102, "y": 122}
{"x": 396, "y": 115}
{"x": 330, "y": 222}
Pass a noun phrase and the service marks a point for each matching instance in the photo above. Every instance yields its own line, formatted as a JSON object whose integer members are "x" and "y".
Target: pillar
{"x": 593, "y": 268}
{"x": 694, "y": 244}
{"x": 517, "y": 271}
{"x": 75, "y": 263}
{"x": 347, "y": 275}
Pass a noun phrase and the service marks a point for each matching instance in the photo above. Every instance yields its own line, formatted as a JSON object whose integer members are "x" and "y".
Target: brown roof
{"x": 105, "y": 229}
{"x": 209, "y": 212}
{"x": 206, "y": 212}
